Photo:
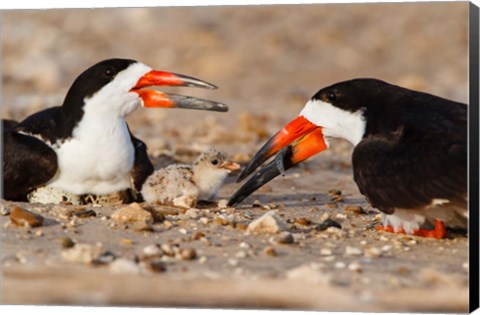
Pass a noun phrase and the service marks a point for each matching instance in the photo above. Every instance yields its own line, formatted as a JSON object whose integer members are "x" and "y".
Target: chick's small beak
{"x": 230, "y": 166}
{"x": 153, "y": 98}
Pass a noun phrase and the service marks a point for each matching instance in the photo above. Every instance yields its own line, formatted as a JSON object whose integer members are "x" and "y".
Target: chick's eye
{"x": 331, "y": 96}
{"x": 215, "y": 162}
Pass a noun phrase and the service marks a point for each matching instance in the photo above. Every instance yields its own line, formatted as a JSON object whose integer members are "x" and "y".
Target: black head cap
{"x": 354, "y": 94}
{"x": 93, "y": 79}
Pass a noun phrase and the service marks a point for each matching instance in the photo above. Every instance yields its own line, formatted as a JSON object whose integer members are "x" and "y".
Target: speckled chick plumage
{"x": 183, "y": 185}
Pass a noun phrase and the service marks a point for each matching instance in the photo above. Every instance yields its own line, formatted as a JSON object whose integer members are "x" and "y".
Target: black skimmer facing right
{"x": 409, "y": 157}
{"x": 85, "y": 145}
{"x": 183, "y": 185}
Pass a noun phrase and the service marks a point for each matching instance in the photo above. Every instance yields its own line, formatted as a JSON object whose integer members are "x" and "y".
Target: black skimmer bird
{"x": 409, "y": 158}
{"x": 85, "y": 145}
{"x": 183, "y": 185}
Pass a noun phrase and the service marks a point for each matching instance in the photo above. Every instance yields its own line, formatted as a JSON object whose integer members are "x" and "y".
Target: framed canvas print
{"x": 291, "y": 157}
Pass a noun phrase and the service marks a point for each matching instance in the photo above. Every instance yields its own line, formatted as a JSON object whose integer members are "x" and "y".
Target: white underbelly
{"x": 95, "y": 166}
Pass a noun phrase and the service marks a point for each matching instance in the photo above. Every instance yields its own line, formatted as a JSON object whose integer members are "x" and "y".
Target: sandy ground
{"x": 267, "y": 61}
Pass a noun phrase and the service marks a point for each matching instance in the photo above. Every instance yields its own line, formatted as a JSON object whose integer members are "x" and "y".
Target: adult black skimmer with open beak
{"x": 409, "y": 157}
{"x": 85, "y": 145}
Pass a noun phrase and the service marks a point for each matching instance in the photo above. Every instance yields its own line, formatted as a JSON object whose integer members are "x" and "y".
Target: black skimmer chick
{"x": 183, "y": 185}
{"x": 85, "y": 145}
{"x": 409, "y": 158}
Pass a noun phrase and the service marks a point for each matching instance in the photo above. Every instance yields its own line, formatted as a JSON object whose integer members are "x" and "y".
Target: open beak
{"x": 307, "y": 139}
{"x": 153, "y": 98}
{"x": 230, "y": 166}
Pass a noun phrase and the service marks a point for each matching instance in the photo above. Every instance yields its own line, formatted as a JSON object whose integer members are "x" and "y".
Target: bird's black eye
{"x": 331, "y": 96}
{"x": 109, "y": 72}
{"x": 215, "y": 162}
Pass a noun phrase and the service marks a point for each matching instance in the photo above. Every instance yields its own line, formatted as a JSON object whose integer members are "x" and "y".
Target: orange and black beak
{"x": 153, "y": 98}
{"x": 307, "y": 139}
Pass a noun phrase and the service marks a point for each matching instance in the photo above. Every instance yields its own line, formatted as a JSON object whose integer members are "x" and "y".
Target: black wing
{"x": 27, "y": 161}
{"x": 27, "y": 164}
{"x": 423, "y": 159}
{"x": 142, "y": 167}
{"x": 8, "y": 124}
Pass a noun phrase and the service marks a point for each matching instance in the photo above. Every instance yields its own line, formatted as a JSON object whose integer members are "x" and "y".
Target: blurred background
{"x": 267, "y": 60}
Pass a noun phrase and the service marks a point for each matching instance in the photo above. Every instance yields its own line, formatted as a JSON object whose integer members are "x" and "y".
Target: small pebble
{"x": 334, "y": 192}
{"x": 192, "y": 213}
{"x": 188, "y": 253}
{"x": 62, "y": 212}
{"x": 204, "y": 220}
{"x": 132, "y": 213}
{"x": 123, "y": 265}
{"x": 355, "y": 266}
{"x": 222, "y": 203}
{"x": 340, "y": 265}
{"x": 383, "y": 238}
{"x": 373, "y": 252}
{"x": 270, "y": 222}
{"x": 325, "y": 251}
{"x": 4, "y": 210}
{"x": 303, "y": 221}
{"x": 85, "y": 214}
{"x": 168, "y": 224}
{"x": 126, "y": 242}
{"x": 332, "y": 205}
{"x": 241, "y": 254}
{"x": 155, "y": 265}
{"x": 39, "y": 233}
{"x": 152, "y": 250}
{"x": 72, "y": 223}
{"x": 312, "y": 272}
{"x": 182, "y": 231}
{"x": 336, "y": 198}
{"x": 221, "y": 219}
{"x": 25, "y": 218}
{"x": 83, "y": 253}
{"x": 285, "y": 238}
{"x": 241, "y": 226}
{"x": 386, "y": 248}
{"x": 270, "y": 251}
{"x": 105, "y": 258}
{"x": 67, "y": 242}
{"x": 244, "y": 245}
{"x": 167, "y": 249}
{"x": 198, "y": 235}
{"x": 256, "y": 204}
{"x": 328, "y": 223}
{"x": 272, "y": 205}
{"x": 353, "y": 251}
{"x": 355, "y": 209}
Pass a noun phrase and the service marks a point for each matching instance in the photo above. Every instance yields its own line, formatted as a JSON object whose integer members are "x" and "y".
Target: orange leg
{"x": 438, "y": 232}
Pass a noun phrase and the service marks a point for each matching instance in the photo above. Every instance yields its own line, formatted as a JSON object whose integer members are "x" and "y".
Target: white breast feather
{"x": 98, "y": 159}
